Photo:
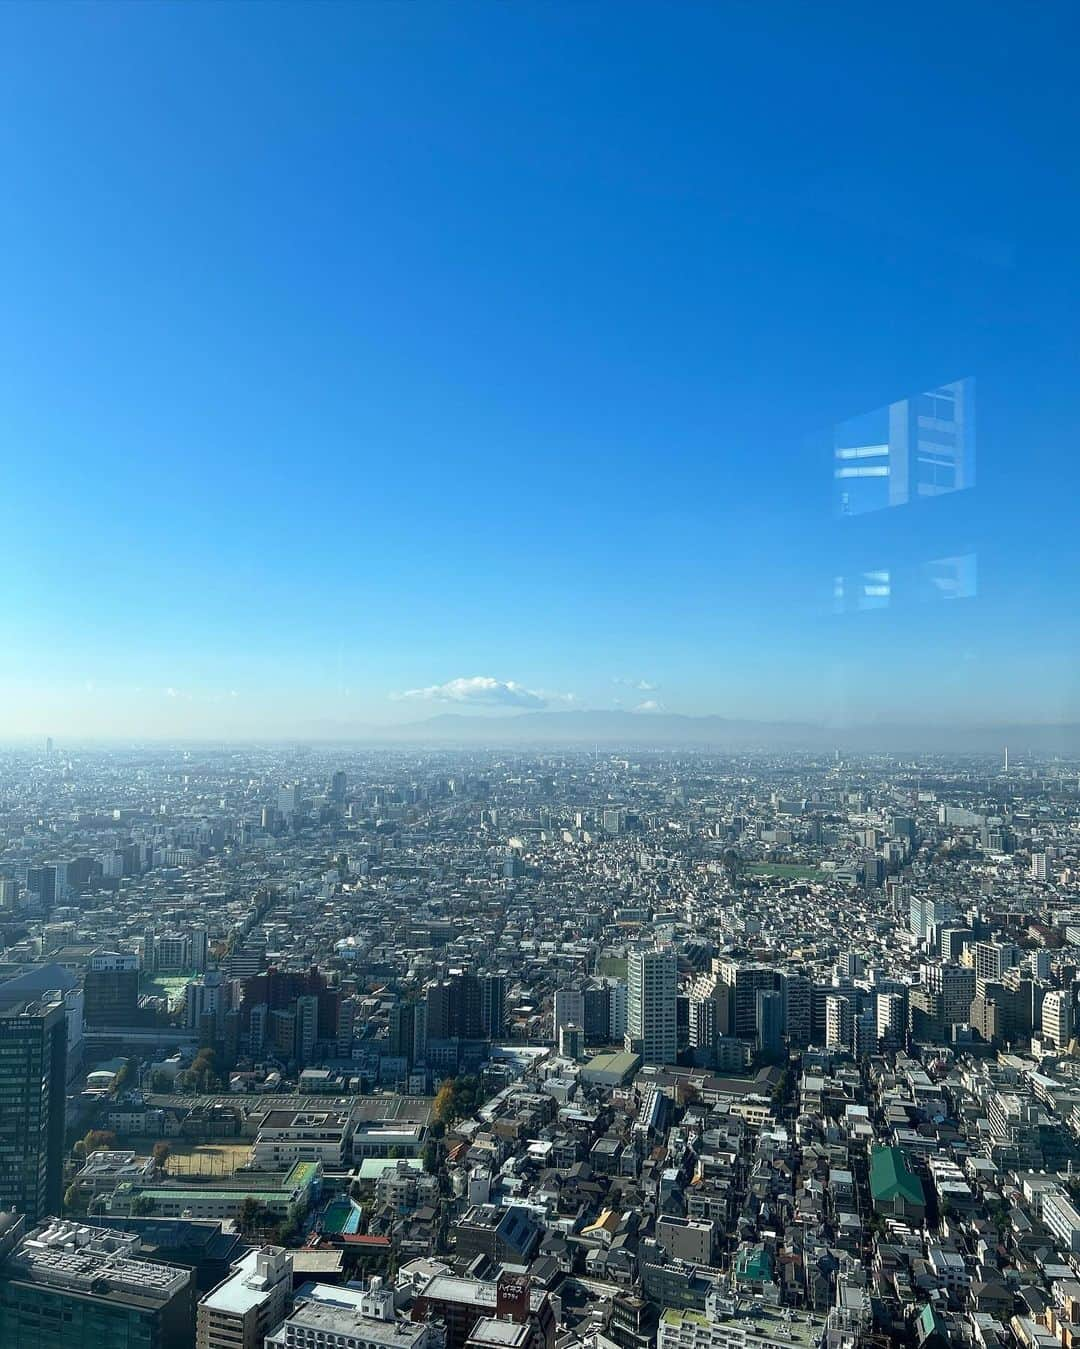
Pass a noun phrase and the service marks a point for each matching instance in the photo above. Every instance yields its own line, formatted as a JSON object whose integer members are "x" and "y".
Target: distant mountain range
{"x": 663, "y": 729}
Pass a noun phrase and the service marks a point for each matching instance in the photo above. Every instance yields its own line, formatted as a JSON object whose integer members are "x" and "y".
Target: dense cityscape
{"x": 511, "y": 1050}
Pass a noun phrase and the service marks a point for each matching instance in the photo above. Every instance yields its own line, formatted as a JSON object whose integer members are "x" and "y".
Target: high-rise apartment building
{"x": 992, "y": 959}
{"x": 954, "y": 986}
{"x": 839, "y": 1022}
{"x": 931, "y": 911}
{"x": 205, "y": 1004}
{"x": 1057, "y": 1014}
{"x": 703, "y": 1031}
{"x": 454, "y": 1008}
{"x": 651, "y": 1019}
{"x": 746, "y": 982}
{"x": 891, "y": 1015}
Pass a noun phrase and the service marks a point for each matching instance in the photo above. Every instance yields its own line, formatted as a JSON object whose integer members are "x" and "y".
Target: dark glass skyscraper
{"x": 493, "y": 1005}
{"x": 33, "y": 1070}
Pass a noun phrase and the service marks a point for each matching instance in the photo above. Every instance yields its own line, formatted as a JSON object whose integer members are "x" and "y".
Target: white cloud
{"x": 639, "y": 685}
{"x": 482, "y": 691}
{"x": 649, "y": 705}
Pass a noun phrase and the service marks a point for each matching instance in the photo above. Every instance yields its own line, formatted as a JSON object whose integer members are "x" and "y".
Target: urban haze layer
{"x": 486, "y": 1049}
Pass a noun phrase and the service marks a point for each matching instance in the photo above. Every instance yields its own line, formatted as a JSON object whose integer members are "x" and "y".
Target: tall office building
{"x": 33, "y": 1077}
{"x": 493, "y": 1006}
{"x": 402, "y": 1030}
{"x": 420, "y": 1031}
{"x": 620, "y": 995}
{"x": 111, "y": 988}
{"x": 770, "y": 1021}
{"x": 69, "y": 1286}
{"x": 597, "y": 1003}
{"x": 41, "y": 882}
{"x": 568, "y": 1009}
{"x": 651, "y": 1018}
{"x": 437, "y": 999}
{"x": 798, "y": 1008}
{"x": 571, "y": 1041}
{"x": 205, "y": 1003}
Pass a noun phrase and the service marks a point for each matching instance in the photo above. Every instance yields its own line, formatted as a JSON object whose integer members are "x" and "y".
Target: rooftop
{"x": 800, "y": 1330}
{"x": 98, "y": 1259}
{"x": 889, "y": 1177}
{"x": 252, "y": 1281}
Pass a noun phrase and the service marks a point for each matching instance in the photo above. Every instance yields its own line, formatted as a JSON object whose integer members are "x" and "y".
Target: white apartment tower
{"x": 652, "y": 977}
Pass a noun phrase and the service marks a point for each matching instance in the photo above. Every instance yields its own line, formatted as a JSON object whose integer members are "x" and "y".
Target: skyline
{"x": 500, "y": 361}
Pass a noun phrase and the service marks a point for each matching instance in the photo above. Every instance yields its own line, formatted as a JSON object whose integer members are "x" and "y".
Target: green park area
{"x": 614, "y": 967}
{"x": 169, "y": 986}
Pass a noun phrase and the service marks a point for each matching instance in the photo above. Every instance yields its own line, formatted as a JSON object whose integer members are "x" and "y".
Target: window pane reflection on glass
{"x": 921, "y": 446}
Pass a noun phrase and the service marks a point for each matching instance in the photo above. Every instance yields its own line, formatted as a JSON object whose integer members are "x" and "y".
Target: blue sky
{"x": 349, "y": 351}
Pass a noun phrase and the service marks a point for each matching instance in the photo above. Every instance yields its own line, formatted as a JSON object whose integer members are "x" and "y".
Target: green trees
{"x": 254, "y": 1218}
{"x": 203, "y": 1074}
{"x": 249, "y": 1211}
{"x": 98, "y": 1140}
{"x": 126, "y": 1077}
{"x": 443, "y": 1109}
{"x": 456, "y": 1098}
{"x": 141, "y": 1206}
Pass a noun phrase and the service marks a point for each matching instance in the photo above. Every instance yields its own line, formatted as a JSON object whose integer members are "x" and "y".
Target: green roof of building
{"x": 889, "y": 1177}
{"x": 166, "y": 1196}
{"x": 620, "y": 1063}
{"x": 930, "y": 1325}
{"x": 753, "y": 1263}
